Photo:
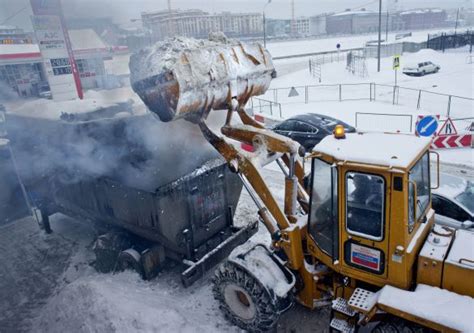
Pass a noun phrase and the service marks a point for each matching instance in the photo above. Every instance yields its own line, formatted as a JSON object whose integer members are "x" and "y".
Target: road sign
{"x": 338, "y": 46}
{"x": 448, "y": 128}
{"x": 453, "y": 141}
{"x": 293, "y": 92}
{"x": 427, "y": 126}
{"x": 396, "y": 62}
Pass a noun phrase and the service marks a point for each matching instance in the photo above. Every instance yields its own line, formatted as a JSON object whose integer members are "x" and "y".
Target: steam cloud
{"x": 138, "y": 151}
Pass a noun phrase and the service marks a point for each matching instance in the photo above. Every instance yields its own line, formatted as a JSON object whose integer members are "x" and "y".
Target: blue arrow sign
{"x": 427, "y": 126}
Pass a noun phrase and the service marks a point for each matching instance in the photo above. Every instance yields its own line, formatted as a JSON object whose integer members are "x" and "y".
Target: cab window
{"x": 323, "y": 217}
{"x": 420, "y": 176}
{"x": 365, "y": 205}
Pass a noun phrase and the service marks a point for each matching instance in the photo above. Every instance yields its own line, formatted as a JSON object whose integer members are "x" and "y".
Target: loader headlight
{"x": 339, "y": 132}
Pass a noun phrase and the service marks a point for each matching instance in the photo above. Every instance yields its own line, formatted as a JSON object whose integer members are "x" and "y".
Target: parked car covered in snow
{"x": 421, "y": 68}
{"x": 453, "y": 202}
{"x": 310, "y": 128}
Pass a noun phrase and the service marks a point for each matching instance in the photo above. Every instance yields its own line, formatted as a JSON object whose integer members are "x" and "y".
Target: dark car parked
{"x": 310, "y": 128}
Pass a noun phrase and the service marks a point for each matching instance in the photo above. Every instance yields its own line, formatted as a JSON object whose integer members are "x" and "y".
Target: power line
{"x": 13, "y": 15}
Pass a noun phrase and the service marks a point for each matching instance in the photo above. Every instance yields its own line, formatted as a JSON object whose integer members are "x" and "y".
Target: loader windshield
{"x": 323, "y": 221}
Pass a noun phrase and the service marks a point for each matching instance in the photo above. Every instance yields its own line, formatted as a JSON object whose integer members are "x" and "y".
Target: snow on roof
{"x": 393, "y": 150}
{"x": 357, "y": 12}
{"x": 462, "y": 248}
{"x": 6, "y": 49}
{"x": 8, "y": 27}
{"x": 421, "y": 11}
{"x": 434, "y": 304}
{"x": 85, "y": 39}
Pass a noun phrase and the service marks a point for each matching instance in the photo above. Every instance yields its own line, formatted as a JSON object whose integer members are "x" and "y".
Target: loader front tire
{"x": 243, "y": 299}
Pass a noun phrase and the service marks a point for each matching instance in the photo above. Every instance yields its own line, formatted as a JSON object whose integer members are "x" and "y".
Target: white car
{"x": 421, "y": 68}
{"x": 453, "y": 202}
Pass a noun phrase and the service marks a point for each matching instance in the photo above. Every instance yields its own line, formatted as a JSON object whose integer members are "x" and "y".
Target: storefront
{"x": 23, "y": 70}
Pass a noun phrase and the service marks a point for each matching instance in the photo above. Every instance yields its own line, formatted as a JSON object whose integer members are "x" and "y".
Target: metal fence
{"x": 436, "y": 103}
{"x": 264, "y": 106}
{"x": 449, "y": 40}
{"x": 388, "y": 122}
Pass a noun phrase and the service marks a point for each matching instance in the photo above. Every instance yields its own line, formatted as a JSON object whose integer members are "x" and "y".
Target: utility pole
{"x": 380, "y": 36}
{"x": 265, "y": 24}
{"x": 171, "y": 30}
{"x": 456, "y": 25}
{"x": 386, "y": 28}
{"x": 293, "y": 20}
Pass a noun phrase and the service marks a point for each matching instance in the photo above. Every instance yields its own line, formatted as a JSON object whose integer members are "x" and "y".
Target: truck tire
{"x": 130, "y": 259}
{"x": 107, "y": 248}
{"x": 397, "y": 325}
{"x": 244, "y": 301}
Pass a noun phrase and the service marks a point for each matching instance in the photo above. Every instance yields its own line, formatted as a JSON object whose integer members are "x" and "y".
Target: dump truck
{"x": 118, "y": 170}
{"x": 361, "y": 239}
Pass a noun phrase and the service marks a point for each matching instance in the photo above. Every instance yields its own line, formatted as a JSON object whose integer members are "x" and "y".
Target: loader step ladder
{"x": 340, "y": 305}
{"x": 362, "y": 300}
{"x": 341, "y": 325}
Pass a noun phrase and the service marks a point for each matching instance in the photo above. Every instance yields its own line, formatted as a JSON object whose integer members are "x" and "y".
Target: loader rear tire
{"x": 397, "y": 325}
{"x": 243, "y": 299}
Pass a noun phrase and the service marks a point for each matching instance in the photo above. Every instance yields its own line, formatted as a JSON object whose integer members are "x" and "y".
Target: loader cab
{"x": 370, "y": 205}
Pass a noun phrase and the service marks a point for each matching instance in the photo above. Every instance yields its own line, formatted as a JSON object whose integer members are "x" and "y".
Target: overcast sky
{"x": 124, "y": 10}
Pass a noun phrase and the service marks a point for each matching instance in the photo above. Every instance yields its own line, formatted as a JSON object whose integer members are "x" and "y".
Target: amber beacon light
{"x": 339, "y": 132}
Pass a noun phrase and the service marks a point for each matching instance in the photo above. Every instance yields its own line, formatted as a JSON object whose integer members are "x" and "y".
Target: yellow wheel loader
{"x": 361, "y": 238}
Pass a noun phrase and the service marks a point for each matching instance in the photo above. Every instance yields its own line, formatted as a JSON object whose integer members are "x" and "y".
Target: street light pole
{"x": 264, "y": 31}
{"x": 265, "y": 24}
{"x": 380, "y": 36}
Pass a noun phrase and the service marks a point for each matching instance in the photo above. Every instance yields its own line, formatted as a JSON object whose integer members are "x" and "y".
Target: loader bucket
{"x": 183, "y": 77}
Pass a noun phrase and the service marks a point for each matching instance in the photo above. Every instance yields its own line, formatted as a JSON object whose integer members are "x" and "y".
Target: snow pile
{"x": 124, "y": 303}
{"x": 434, "y": 304}
{"x": 183, "y": 77}
{"x": 462, "y": 251}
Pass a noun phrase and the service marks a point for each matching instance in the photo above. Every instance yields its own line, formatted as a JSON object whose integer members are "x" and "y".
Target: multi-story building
{"x": 423, "y": 18}
{"x": 302, "y": 26}
{"x": 197, "y": 23}
{"x": 364, "y": 21}
{"x": 354, "y": 22}
{"x": 317, "y": 25}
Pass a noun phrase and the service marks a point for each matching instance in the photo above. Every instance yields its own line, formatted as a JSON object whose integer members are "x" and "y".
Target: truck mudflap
{"x": 197, "y": 269}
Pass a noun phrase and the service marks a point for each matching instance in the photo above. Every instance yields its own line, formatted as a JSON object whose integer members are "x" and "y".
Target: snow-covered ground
{"x": 50, "y": 286}
{"x": 456, "y": 77}
{"x": 278, "y": 49}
